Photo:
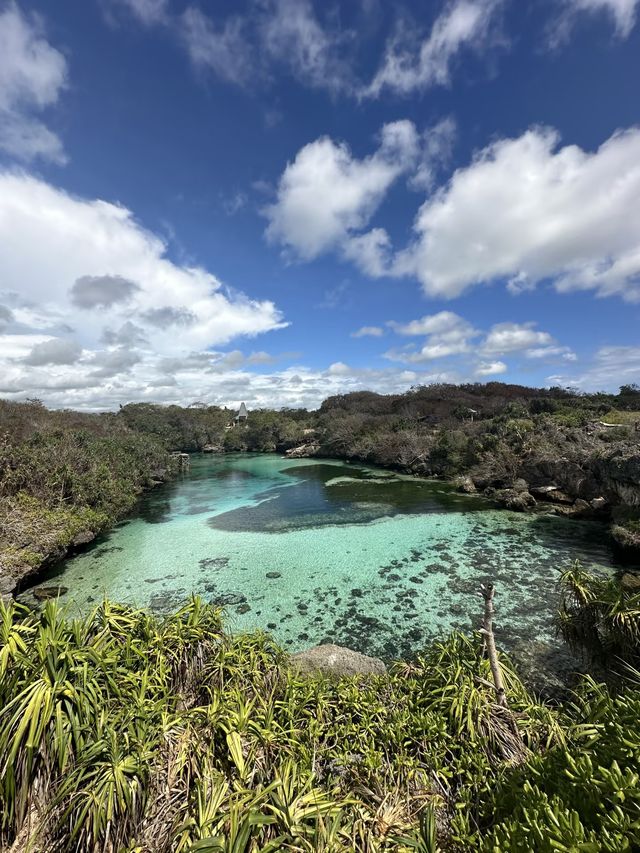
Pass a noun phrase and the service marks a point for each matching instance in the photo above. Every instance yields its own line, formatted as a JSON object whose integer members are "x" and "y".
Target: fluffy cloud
{"x": 54, "y": 351}
{"x": 326, "y": 193}
{"x": 100, "y": 298}
{"x": 409, "y": 66}
{"x": 513, "y": 337}
{"x": 447, "y": 334}
{"x": 433, "y": 324}
{"x": 528, "y": 210}
{"x": 491, "y": 368}
{"x": 525, "y": 210}
{"x": 524, "y": 338}
{"x": 32, "y": 75}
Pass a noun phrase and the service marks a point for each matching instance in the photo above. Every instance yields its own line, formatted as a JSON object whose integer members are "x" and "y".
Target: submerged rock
{"x": 44, "y": 593}
{"x": 336, "y": 661}
{"x": 229, "y": 599}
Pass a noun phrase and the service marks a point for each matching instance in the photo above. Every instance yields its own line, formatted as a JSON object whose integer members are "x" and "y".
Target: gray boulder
{"x": 336, "y": 662}
{"x": 510, "y": 499}
{"x": 465, "y": 484}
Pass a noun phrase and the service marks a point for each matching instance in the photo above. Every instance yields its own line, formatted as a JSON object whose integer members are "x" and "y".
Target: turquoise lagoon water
{"x": 316, "y": 551}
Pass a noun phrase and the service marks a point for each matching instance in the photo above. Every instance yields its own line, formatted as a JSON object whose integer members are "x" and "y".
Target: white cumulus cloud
{"x": 326, "y": 193}
{"x": 491, "y": 368}
{"x": 528, "y": 210}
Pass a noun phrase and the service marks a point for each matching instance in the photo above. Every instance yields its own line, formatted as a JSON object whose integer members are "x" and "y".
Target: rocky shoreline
{"x": 14, "y": 579}
{"x": 595, "y": 486}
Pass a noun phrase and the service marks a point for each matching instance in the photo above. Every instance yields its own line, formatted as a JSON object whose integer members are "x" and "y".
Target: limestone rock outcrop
{"x": 336, "y": 662}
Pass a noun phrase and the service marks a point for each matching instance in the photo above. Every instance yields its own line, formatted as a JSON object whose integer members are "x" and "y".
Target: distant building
{"x": 242, "y": 415}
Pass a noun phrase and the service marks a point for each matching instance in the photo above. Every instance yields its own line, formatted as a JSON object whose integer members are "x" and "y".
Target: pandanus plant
{"x": 125, "y": 733}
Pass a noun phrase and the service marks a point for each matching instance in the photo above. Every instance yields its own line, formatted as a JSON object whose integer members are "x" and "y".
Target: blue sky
{"x": 278, "y": 200}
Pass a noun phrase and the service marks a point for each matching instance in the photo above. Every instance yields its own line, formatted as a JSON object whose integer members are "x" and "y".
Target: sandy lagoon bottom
{"x": 323, "y": 551}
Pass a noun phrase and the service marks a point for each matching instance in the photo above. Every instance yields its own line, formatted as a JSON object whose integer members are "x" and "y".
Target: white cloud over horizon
{"x": 448, "y": 334}
{"x": 101, "y": 298}
{"x": 609, "y": 368}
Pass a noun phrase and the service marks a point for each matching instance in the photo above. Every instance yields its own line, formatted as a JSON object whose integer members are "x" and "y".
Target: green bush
{"x": 124, "y": 732}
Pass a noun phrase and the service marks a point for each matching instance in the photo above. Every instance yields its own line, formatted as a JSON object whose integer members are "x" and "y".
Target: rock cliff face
{"x": 614, "y": 475}
{"x": 580, "y": 476}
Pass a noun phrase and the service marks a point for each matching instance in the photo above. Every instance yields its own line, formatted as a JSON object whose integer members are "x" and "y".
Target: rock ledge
{"x": 335, "y": 661}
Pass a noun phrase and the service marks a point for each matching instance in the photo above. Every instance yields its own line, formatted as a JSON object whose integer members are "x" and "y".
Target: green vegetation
{"x": 64, "y": 475}
{"x": 444, "y": 430}
{"x": 601, "y": 615}
{"x": 121, "y": 732}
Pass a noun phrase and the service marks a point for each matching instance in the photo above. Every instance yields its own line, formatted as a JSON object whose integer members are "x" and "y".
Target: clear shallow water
{"x": 317, "y": 551}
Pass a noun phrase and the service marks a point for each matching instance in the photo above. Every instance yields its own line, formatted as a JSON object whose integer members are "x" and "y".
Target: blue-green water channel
{"x": 316, "y": 550}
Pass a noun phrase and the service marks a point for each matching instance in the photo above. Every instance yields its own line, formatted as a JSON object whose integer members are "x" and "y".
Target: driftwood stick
{"x": 488, "y": 593}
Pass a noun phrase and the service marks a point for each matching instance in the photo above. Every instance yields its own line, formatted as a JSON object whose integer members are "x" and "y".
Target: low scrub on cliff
{"x": 65, "y": 476}
{"x": 122, "y": 732}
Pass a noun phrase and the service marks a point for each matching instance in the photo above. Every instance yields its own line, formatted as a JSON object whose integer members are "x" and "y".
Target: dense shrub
{"x": 122, "y": 732}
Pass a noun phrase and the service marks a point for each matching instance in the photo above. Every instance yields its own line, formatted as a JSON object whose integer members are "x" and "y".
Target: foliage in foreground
{"x": 121, "y": 732}
{"x": 600, "y": 615}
